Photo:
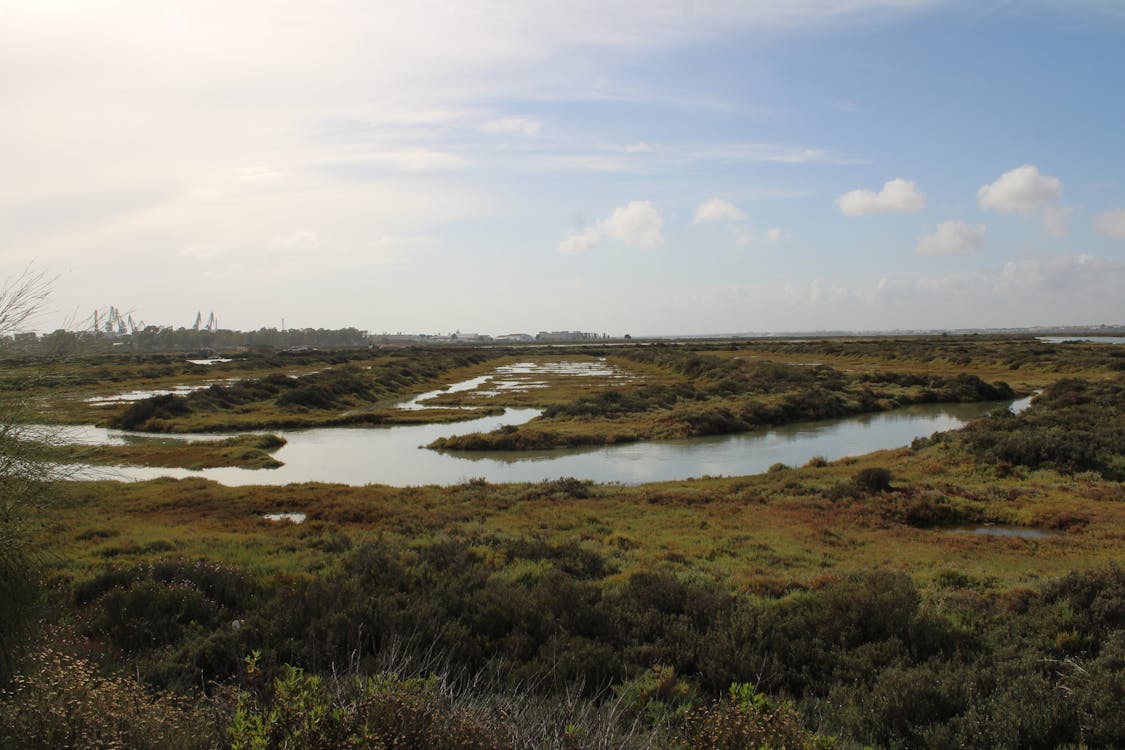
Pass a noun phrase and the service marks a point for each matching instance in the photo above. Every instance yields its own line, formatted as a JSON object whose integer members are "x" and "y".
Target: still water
{"x": 394, "y": 456}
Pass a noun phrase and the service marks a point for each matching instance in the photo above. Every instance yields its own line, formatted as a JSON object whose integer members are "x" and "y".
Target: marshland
{"x": 950, "y": 588}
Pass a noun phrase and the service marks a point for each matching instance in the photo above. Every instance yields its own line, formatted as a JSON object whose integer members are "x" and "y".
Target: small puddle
{"x": 290, "y": 517}
{"x": 140, "y": 395}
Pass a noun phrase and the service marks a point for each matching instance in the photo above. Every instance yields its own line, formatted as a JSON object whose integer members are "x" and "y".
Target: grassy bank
{"x": 243, "y": 451}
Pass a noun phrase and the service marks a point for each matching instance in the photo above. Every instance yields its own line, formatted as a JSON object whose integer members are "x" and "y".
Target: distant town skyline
{"x": 663, "y": 168}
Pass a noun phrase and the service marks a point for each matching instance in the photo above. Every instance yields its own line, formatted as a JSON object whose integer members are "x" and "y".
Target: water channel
{"x": 394, "y": 456}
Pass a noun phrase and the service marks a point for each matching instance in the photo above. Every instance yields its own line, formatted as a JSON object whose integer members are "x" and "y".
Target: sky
{"x": 621, "y": 166}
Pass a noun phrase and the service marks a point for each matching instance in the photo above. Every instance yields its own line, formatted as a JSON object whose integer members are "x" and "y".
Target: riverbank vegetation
{"x": 962, "y": 591}
{"x": 251, "y": 451}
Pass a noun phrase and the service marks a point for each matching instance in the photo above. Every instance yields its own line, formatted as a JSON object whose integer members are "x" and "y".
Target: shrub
{"x": 748, "y": 719}
{"x": 382, "y": 711}
{"x": 140, "y": 414}
{"x": 62, "y": 702}
{"x": 876, "y": 479}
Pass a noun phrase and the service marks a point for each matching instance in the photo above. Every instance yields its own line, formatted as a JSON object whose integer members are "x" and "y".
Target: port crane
{"x": 212, "y": 322}
{"x": 113, "y": 322}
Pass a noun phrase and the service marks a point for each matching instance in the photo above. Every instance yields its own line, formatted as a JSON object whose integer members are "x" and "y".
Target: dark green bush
{"x": 874, "y": 479}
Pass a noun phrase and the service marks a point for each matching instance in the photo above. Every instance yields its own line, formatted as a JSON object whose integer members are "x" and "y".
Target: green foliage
{"x": 381, "y": 711}
{"x": 749, "y": 719}
{"x": 655, "y": 695}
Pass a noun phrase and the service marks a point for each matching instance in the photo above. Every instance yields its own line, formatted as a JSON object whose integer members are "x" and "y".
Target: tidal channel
{"x": 395, "y": 456}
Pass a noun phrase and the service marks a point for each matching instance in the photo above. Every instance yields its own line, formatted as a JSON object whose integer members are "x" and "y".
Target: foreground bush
{"x": 61, "y": 702}
{"x": 748, "y": 719}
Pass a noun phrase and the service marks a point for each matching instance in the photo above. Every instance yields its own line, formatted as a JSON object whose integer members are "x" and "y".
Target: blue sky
{"x": 643, "y": 167}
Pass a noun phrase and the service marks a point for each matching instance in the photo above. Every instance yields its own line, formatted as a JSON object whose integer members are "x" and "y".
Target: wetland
{"x": 640, "y": 545}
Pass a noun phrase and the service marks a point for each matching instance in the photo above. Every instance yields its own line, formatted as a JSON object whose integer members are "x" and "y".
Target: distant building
{"x": 559, "y": 336}
{"x": 516, "y": 338}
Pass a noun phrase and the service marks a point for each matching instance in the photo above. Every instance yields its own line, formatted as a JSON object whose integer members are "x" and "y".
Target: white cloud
{"x": 717, "y": 209}
{"x": 637, "y": 225}
{"x": 1021, "y": 190}
{"x": 952, "y": 238}
{"x": 580, "y": 242}
{"x": 774, "y": 235}
{"x": 898, "y": 196}
{"x": 1024, "y": 190}
{"x": 522, "y": 125}
{"x": 1112, "y": 224}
